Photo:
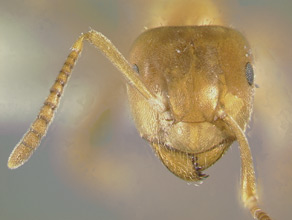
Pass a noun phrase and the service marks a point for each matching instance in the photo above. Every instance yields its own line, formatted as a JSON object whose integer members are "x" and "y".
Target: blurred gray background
{"x": 93, "y": 164}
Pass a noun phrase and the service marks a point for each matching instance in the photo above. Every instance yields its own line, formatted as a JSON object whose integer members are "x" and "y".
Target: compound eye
{"x": 135, "y": 68}
{"x": 249, "y": 73}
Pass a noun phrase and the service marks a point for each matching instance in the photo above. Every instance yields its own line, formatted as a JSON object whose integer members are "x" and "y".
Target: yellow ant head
{"x": 194, "y": 72}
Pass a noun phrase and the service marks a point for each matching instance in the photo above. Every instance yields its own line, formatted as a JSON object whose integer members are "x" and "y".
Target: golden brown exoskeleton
{"x": 196, "y": 72}
{"x": 190, "y": 90}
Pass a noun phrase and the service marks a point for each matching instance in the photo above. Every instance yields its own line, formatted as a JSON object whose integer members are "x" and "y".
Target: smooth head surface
{"x": 195, "y": 71}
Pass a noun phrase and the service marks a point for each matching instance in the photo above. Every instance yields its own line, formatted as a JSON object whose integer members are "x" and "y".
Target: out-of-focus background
{"x": 93, "y": 164}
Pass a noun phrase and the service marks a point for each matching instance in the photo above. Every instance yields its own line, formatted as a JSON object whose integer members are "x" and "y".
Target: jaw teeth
{"x": 198, "y": 168}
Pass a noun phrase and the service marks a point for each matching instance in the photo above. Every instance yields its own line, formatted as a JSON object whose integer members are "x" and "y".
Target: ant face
{"x": 196, "y": 71}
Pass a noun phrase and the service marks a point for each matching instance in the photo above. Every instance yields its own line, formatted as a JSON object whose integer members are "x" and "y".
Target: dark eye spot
{"x": 249, "y": 73}
{"x": 136, "y": 68}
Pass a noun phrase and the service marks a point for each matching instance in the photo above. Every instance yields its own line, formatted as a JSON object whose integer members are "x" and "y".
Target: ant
{"x": 190, "y": 90}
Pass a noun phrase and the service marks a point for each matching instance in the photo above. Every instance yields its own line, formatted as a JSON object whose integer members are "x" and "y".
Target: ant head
{"x": 196, "y": 72}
